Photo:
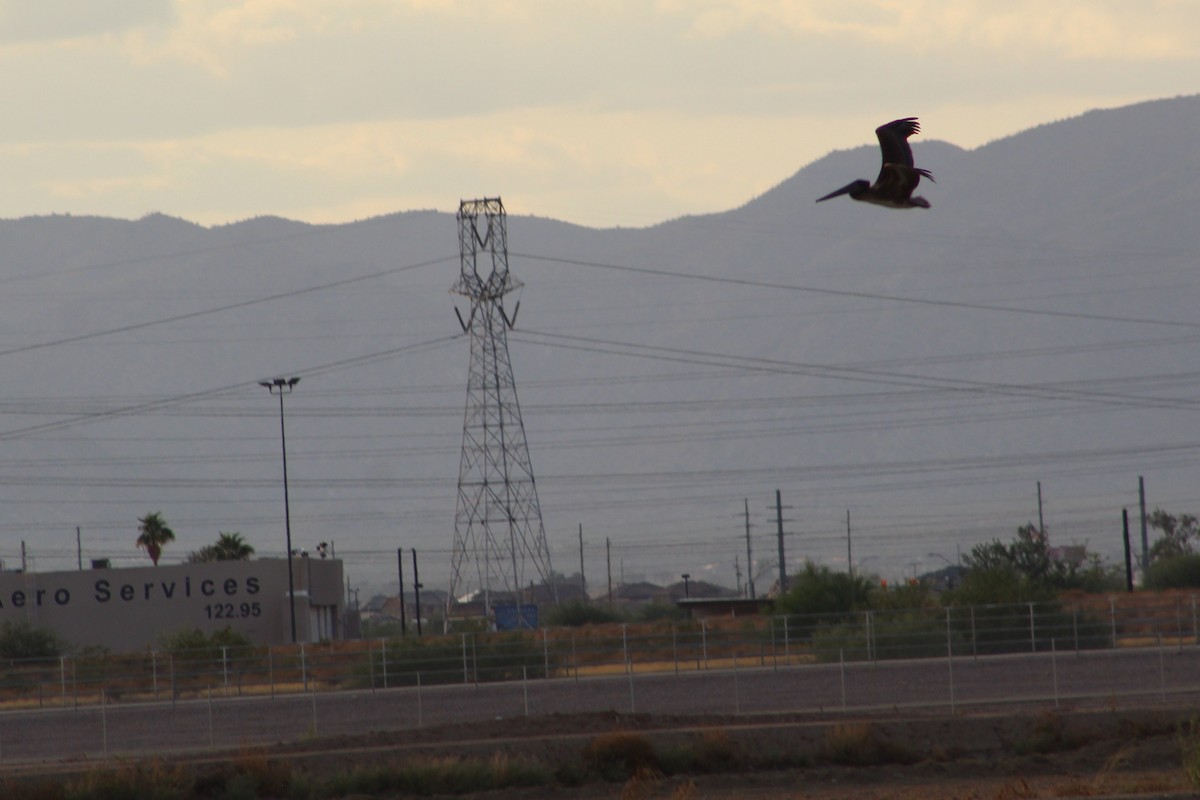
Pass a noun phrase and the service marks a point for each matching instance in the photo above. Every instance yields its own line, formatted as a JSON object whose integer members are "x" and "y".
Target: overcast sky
{"x": 601, "y": 112}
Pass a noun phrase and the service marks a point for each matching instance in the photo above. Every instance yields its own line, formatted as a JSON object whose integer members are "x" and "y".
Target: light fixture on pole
{"x": 686, "y": 590}
{"x": 282, "y": 386}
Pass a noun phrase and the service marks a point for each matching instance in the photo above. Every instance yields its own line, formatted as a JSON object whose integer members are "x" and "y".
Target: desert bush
{"x": 247, "y": 777}
{"x": 150, "y": 780}
{"x": 1189, "y": 750}
{"x": 859, "y": 744}
{"x": 620, "y": 755}
{"x": 438, "y": 776}
{"x": 576, "y": 613}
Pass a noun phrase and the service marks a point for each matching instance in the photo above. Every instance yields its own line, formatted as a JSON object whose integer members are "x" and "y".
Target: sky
{"x": 601, "y": 112}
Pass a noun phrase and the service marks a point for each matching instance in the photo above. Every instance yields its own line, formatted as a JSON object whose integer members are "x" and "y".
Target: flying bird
{"x": 898, "y": 177}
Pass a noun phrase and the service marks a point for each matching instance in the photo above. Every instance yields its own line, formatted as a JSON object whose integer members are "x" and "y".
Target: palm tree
{"x": 153, "y": 534}
{"x": 228, "y": 547}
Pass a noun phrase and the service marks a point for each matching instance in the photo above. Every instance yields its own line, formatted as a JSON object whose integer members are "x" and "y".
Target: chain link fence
{"x": 1096, "y": 649}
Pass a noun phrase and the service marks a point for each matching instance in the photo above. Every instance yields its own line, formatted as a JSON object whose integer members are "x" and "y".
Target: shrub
{"x": 1179, "y": 572}
{"x": 620, "y": 755}
{"x": 576, "y": 613}
{"x": 24, "y": 640}
{"x": 1189, "y": 750}
{"x": 859, "y": 744}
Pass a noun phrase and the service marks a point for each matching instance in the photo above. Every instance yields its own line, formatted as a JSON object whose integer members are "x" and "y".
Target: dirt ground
{"x": 1005, "y": 756}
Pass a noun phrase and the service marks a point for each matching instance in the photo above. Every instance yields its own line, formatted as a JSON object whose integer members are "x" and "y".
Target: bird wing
{"x": 893, "y": 141}
{"x": 897, "y": 182}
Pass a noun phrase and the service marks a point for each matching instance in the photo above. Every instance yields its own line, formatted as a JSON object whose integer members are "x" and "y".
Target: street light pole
{"x": 282, "y": 386}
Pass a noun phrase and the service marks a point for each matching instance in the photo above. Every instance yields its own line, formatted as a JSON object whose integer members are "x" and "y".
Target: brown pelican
{"x": 898, "y": 177}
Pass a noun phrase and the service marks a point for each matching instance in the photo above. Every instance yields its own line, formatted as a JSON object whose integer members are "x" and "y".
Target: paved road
{"x": 1114, "y": 677}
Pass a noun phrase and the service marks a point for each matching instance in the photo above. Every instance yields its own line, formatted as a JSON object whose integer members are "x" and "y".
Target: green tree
{"x": 819, "y": 590}
{"x": 1177, "y": 534}
{"x": 228, "y": 547}
{"x": 1028, "y": 557}
{"x": 153, "y": 535}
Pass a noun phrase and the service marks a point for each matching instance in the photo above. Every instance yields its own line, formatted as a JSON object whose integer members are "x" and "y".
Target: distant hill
{"x": 923, "y": 370}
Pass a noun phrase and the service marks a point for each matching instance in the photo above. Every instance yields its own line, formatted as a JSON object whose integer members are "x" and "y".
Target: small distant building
{"x": 709, "y": 607}
{"x": 132, "y": 608}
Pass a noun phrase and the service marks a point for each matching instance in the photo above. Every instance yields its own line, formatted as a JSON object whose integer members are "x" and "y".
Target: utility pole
{"x": 416, "y": 591}
{"x": 400, "y": 573}
{"x": 608, "y": 559}
{"x": 749, "y": 557}
{"x": 849, "y": 550}
{"x": 737, "y": 572}
{"x": 1041, "y": 521}
{"x": 582, "y": 578}
{"x": 1145, "y": 535}
{"x": 779, "y": 526}
{"x": 1128, "y": 557}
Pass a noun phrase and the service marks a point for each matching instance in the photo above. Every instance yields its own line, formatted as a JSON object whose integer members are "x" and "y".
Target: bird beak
{"x": 839, "y": 192}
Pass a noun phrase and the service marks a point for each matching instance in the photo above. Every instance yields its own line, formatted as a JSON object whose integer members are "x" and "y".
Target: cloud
{"x": 53, "y": 20}
{"x": 1165, "y": 29}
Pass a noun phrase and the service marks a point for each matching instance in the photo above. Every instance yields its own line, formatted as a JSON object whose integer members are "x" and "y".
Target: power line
{"x": 666, "y": 273}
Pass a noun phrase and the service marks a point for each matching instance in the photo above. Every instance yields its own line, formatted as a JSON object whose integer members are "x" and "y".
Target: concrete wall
{"x": 130, "y": 609}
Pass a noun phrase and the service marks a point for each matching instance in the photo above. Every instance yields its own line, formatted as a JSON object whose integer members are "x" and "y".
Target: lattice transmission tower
{"x": 499, "y": 539}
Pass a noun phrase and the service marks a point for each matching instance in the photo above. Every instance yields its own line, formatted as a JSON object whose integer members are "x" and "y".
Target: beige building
{"x": 131, "y": 609}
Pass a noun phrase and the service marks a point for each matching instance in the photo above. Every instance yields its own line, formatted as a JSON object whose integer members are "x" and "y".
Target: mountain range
{"x": 911, "y": 382}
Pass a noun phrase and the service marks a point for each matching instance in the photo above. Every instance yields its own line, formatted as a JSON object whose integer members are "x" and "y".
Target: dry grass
{"x": 860, "y": 744}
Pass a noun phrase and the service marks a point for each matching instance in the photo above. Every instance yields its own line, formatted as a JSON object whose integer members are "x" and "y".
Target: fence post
{"x": 171, "y": 667}
{"x": 737, "y": 697}
{"x": 574, "y": 656}
{"x": 1195, "y": 636}
{"x": 1032, "y": 635}
{"x": 1075, "y": 626}
{"x": 787, "y": 660}
{"x": 1054, "y": 667}
{"x": 270, "y": 669}
{"x": 104, "y": 718}
{"x": 62, "y": 666}
{"x": 303, "y": 668}
{"x": 774, "y": 655}
{"x": 383, "y": 661}
{"x": 154, "y": 670}
{"x": 466, "y": 673}
{"x": 225, "y": 668}
{"x": 704, "y": 641}
{"x": 974, "y": 639}
{"x": 1112, "y": 619}
{"x": 674, "y": 650}
{"x": 525, "y": 688}
{"x": 546, "y": 653}
{"x": 632, "y": 701}
{"x": 624, "y": 647}
{"x": 842, "y": 675}
{"x": 371, "y": 663}
{"x": 1179, "y": 622}
{"x": 1162, "y": 672}
{"x": 950, "y": 658}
